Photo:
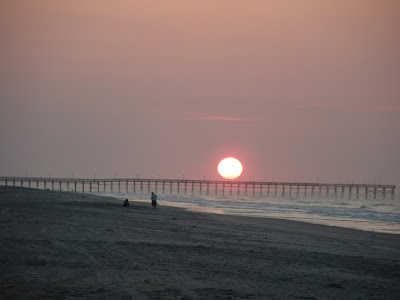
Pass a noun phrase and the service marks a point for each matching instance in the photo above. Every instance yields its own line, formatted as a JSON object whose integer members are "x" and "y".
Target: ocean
{"x": 379, "y": 215}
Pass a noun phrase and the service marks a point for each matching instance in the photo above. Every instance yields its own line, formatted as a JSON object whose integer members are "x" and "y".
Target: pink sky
{"x": 296, "y": 90}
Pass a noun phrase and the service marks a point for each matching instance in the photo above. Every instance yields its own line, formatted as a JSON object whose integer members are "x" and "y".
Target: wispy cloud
{"x": 222, "y": 119}
{"x": 198, "y": 116}
{"x": 353, "y": 107}
{"x": 190, "y": 115}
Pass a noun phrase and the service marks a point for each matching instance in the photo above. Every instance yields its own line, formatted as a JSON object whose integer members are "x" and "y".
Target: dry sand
{"x": 58, "y": 245}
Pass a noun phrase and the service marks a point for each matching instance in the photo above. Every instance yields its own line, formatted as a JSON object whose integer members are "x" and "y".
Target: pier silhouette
{"x": 206, "y": 187}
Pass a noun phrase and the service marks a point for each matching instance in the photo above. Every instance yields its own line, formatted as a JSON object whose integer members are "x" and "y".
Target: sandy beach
{"x": 58, "y": 245}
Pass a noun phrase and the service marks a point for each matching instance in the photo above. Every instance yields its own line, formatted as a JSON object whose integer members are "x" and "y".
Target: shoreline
{"x": 64, "y": 245}
{"x": 356, "y": 224}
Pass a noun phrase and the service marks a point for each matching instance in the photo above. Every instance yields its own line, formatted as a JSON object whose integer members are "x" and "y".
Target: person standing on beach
{"x": 154, "y": 200}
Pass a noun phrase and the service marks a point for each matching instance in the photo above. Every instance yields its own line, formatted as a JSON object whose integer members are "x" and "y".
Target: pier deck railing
{"x": 216, "y": 187}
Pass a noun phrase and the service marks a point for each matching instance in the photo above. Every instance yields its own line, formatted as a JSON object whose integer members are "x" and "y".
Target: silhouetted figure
{"x": 126, "y": 203}
{"x": 154, "y": 200}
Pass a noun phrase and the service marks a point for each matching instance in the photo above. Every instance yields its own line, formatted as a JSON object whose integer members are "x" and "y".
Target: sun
{"x": 230, "y": 168}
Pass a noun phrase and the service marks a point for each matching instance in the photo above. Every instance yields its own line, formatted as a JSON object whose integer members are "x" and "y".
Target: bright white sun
{"x": 230, "y": 168}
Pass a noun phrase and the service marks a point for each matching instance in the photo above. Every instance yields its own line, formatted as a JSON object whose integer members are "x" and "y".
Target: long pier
{"x": 206, "y": 187}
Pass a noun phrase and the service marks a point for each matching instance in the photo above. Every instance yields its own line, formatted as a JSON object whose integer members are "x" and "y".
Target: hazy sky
{"x": 296, "y": 90}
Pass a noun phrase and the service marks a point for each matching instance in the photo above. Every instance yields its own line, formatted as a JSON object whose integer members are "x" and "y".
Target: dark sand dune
{"x": 72, "y": 246}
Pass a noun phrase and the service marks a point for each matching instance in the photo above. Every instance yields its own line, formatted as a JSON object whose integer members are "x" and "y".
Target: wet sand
{"x": 57, "y": 245}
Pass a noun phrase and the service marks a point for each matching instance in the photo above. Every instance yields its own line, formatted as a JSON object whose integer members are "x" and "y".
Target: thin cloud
{"x": 353, "y": 107}
{"x": 224, "y": 119}
{"x": 197, "y": 116}
{"x": 193, "y": 115}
